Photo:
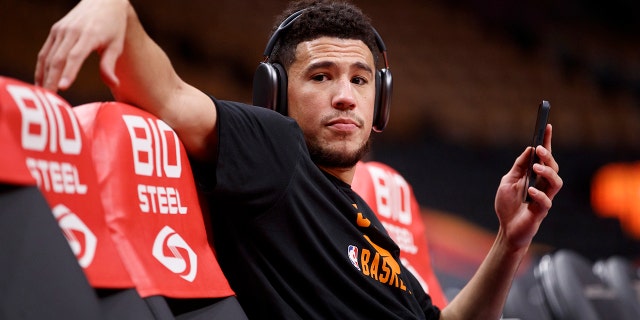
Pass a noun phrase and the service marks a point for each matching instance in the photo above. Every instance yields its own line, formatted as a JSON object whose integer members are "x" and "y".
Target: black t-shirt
{"x": 293, "y": 240}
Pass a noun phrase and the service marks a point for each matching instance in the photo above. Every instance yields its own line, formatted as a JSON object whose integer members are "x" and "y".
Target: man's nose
{"x": 344, "y": 97}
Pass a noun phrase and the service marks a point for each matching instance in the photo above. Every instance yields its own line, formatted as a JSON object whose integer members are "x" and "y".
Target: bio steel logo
{"x": 156, "y": 153}
{"x": 82, "y": 241}
{"x": 392, "y": 195}
{"x": 173, "y": 259}
{"x": 48, "y": 126}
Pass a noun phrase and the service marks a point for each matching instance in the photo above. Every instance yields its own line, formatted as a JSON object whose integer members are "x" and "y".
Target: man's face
{"x": 331, "y": 91}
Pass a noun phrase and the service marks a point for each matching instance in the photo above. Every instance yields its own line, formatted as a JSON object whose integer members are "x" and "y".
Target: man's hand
{"x": 98, "y": 25}
{"x": 520, "y": 220}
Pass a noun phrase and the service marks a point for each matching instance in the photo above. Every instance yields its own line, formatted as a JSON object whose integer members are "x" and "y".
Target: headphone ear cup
{"x": 270, "y": 87}
{"x": 265, "y": 81}
{"x": 382, "y": 108}
{"x": 282, "y": 105}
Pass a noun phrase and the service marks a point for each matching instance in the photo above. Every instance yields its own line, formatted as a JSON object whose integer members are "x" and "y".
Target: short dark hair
{"x": 331, "y": 18}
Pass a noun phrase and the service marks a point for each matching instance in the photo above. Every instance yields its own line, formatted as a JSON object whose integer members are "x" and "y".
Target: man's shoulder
{"x": 230, "y": 106}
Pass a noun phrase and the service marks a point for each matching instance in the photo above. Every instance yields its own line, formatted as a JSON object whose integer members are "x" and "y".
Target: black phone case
{"x": 538, "y": 139}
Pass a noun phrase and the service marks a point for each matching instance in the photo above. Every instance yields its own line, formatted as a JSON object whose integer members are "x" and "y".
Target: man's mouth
{"x": 343, "y": 124}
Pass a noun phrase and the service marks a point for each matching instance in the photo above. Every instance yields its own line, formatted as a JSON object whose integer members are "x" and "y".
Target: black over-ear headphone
{"x": 270, "y": 80}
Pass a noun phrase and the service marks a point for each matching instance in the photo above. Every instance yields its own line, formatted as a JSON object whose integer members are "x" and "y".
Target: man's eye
{"x": 319, "y": 77}
{"x": 359, "y": 80}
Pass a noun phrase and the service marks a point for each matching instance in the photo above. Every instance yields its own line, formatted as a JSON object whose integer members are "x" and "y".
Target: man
{"x": 291, "y": 236}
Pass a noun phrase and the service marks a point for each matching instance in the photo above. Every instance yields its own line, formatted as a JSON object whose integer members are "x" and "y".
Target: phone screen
{"x": 538, "y": 139}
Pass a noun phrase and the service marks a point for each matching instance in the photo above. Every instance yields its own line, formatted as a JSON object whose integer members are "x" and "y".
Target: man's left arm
{"x": 485, "y": 294}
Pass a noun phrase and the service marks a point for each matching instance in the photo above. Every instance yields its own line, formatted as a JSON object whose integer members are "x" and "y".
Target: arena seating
{"x": 564, "y": 285}
{"x": 146, "y": 180}
{"x": 621, "y": 275}
{"x": 573, "y": 291}
{"x": 54, "y": 171}
{"x": 62, "y": 201}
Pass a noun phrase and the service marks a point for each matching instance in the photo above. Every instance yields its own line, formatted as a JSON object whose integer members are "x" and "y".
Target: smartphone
{"x": 538, "y": 139}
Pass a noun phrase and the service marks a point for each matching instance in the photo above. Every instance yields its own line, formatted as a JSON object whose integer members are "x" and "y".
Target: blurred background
{"x": 468, "y": 77}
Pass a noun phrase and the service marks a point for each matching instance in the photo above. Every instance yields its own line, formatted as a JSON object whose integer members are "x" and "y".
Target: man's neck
{"x": 344, "y": 174}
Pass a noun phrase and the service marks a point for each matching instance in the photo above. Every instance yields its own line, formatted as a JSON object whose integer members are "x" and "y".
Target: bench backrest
{"x": 151, "y": 202}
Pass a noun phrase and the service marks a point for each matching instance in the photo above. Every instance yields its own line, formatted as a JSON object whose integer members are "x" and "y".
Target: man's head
{"x": 329, "y": 52}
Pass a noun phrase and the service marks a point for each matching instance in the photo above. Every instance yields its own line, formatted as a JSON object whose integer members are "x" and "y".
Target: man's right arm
{"x": 135, "y": 68}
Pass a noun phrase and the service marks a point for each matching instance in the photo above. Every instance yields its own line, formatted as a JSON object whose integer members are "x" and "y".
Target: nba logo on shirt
{"x": 353, "y": 256}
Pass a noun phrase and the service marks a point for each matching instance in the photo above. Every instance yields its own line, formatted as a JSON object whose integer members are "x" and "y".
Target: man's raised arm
{"x": 485, "y": 294}
{"x": 135, "y": 68}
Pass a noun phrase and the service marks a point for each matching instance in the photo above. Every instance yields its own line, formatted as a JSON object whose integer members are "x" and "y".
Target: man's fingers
{"x": 77, "y": 52}
{"x": 522, "y": 163}
{"x": 42, "y": 57}
{"x": 108, "y": 65}
{"x": 53, "y": 59}
{"x": 541, "y": 200}
{"x": 61, "y": 57}
{"x": 548, "y": 180}
{"x": 547, "y": 158}
{"x": 548, "y": 133}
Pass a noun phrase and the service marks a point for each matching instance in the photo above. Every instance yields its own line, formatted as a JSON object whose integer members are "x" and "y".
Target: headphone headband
{"x": 283, "y": 26}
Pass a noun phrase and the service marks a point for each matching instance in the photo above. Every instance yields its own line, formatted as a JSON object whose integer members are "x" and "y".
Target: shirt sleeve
{"x": 257, "y": 151}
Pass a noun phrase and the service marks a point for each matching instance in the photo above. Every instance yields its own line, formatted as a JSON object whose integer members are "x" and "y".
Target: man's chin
{"x": 333, "y": 162}
{"x": 334, "y": 159}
